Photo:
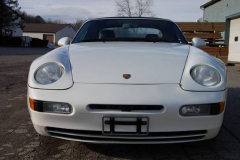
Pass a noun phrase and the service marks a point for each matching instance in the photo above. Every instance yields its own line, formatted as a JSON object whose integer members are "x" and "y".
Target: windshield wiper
{"x": 92, "y": 40}
{"x": 145, "y": 40}
{"x": 124, "y": 40}
{"x": 156, "y": 40}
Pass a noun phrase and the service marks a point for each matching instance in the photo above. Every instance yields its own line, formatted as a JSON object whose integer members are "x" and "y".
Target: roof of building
{"x": 43, "y": 27}
{"x": 211, "y": 2}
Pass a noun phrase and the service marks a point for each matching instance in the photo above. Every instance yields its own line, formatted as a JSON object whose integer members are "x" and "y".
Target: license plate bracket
{"x": 112, "y": 121}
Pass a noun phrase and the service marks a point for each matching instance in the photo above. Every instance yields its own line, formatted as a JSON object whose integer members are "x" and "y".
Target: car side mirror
{"x": 198, "y": 42}
{"x": 64, "y": 41}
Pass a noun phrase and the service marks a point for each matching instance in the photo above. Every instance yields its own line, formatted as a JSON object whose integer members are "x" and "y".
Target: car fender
{"x": 59, "y": 56}
{"x": 198, "y": 57}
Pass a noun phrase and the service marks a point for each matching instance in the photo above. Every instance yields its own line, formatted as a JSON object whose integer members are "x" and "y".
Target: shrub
{"x": 11, "y": 41}
{"x": 38, "y": 42}
{"x": 15, "y": 41}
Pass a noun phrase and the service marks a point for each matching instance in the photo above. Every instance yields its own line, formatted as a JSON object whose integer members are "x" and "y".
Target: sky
{"x": 70, "y": 10}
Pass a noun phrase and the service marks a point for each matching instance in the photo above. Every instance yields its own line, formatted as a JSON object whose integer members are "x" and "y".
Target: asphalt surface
{"x": 19, "y": 140}
{"x": 23, "y": 51}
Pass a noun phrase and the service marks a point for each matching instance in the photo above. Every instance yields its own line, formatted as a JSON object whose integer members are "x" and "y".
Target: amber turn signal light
{"x": 31, "y": 102}
{"x": 222, "y": 105}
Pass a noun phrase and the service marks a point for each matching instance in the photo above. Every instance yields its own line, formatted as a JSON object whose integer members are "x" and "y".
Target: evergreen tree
{"x": 10, "y": 16}
{"x": 28, "y": 18}
{"x": 39, "y": 19}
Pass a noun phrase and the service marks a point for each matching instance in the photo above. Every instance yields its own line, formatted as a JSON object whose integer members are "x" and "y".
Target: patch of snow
{"x": 50, "y": 45}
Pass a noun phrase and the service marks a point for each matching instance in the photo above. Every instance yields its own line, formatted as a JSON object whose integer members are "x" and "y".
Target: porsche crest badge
{"x": 127, "y": 76}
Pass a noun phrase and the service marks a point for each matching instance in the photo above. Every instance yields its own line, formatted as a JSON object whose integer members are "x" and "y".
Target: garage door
{"x": 48, "y": 37}
{"x": 234, "y": 41}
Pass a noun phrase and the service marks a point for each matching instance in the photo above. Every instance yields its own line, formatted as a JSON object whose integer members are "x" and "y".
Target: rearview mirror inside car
{"x": 129, "y": 25}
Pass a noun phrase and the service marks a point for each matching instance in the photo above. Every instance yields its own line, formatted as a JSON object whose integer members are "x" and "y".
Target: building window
{"x": 8, "y": 33}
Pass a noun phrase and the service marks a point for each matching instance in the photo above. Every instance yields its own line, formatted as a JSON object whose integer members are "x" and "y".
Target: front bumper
{"x": 85, "y": 125}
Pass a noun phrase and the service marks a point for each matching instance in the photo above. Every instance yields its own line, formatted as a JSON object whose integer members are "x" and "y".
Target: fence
{"x": 211, "y": 33}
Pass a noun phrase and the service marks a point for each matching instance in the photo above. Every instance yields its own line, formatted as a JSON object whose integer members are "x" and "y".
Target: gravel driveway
{"x": 23, "y": 51}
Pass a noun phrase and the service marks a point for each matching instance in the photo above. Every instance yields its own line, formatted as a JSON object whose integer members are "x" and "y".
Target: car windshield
{"x": 143, "y": 30}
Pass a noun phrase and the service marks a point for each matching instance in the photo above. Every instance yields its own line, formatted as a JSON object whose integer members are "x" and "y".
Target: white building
{"x": 13, "y": 31}
{"x": 50, "y": 32}
{"x": 226, "y": 11}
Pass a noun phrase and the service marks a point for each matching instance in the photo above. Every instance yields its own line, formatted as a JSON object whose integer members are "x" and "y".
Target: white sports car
{"x": 128, "y": 80}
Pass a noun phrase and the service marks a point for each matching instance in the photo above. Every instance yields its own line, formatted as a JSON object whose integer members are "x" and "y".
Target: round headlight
{"x": 48, "y": 73}
{"x": 206, "y": 76}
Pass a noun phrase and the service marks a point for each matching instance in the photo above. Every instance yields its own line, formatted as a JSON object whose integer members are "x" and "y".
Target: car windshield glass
{"x": 130, "y": 30}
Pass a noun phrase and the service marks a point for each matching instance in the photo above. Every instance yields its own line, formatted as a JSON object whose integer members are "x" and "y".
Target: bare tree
{"x": 38, "y": 19}
{"x": 130, "y": 8}
{"x": 55, "y": 21}
{"x": 79, "y": 22}
{"x": 124, "y": 8}
{"x": 143, "y": 7}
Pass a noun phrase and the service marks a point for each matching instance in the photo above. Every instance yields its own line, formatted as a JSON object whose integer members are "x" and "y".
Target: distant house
{"x": 13, "y": 31}
{"x": 226, "y": 11}
{"x": 51, "y": 32}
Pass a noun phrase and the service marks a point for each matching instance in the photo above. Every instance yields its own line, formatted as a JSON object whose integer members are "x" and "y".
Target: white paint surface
{"x": 234, "y": 46}
{"x": 17, "y": 32}
{"x": 147, "y": 62}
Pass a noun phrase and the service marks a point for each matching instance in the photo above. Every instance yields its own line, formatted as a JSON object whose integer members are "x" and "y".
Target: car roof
{"x": 148, "y": 18}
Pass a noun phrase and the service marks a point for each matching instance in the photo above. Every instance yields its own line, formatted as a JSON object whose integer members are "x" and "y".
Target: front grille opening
{"x": 52, "y": 130}
{"x": 76, "y": 137}
{"x": 126, "y": 108}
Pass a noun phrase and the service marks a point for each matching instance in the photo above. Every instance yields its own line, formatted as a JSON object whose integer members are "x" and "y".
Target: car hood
{"x": 147, "y": 63}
